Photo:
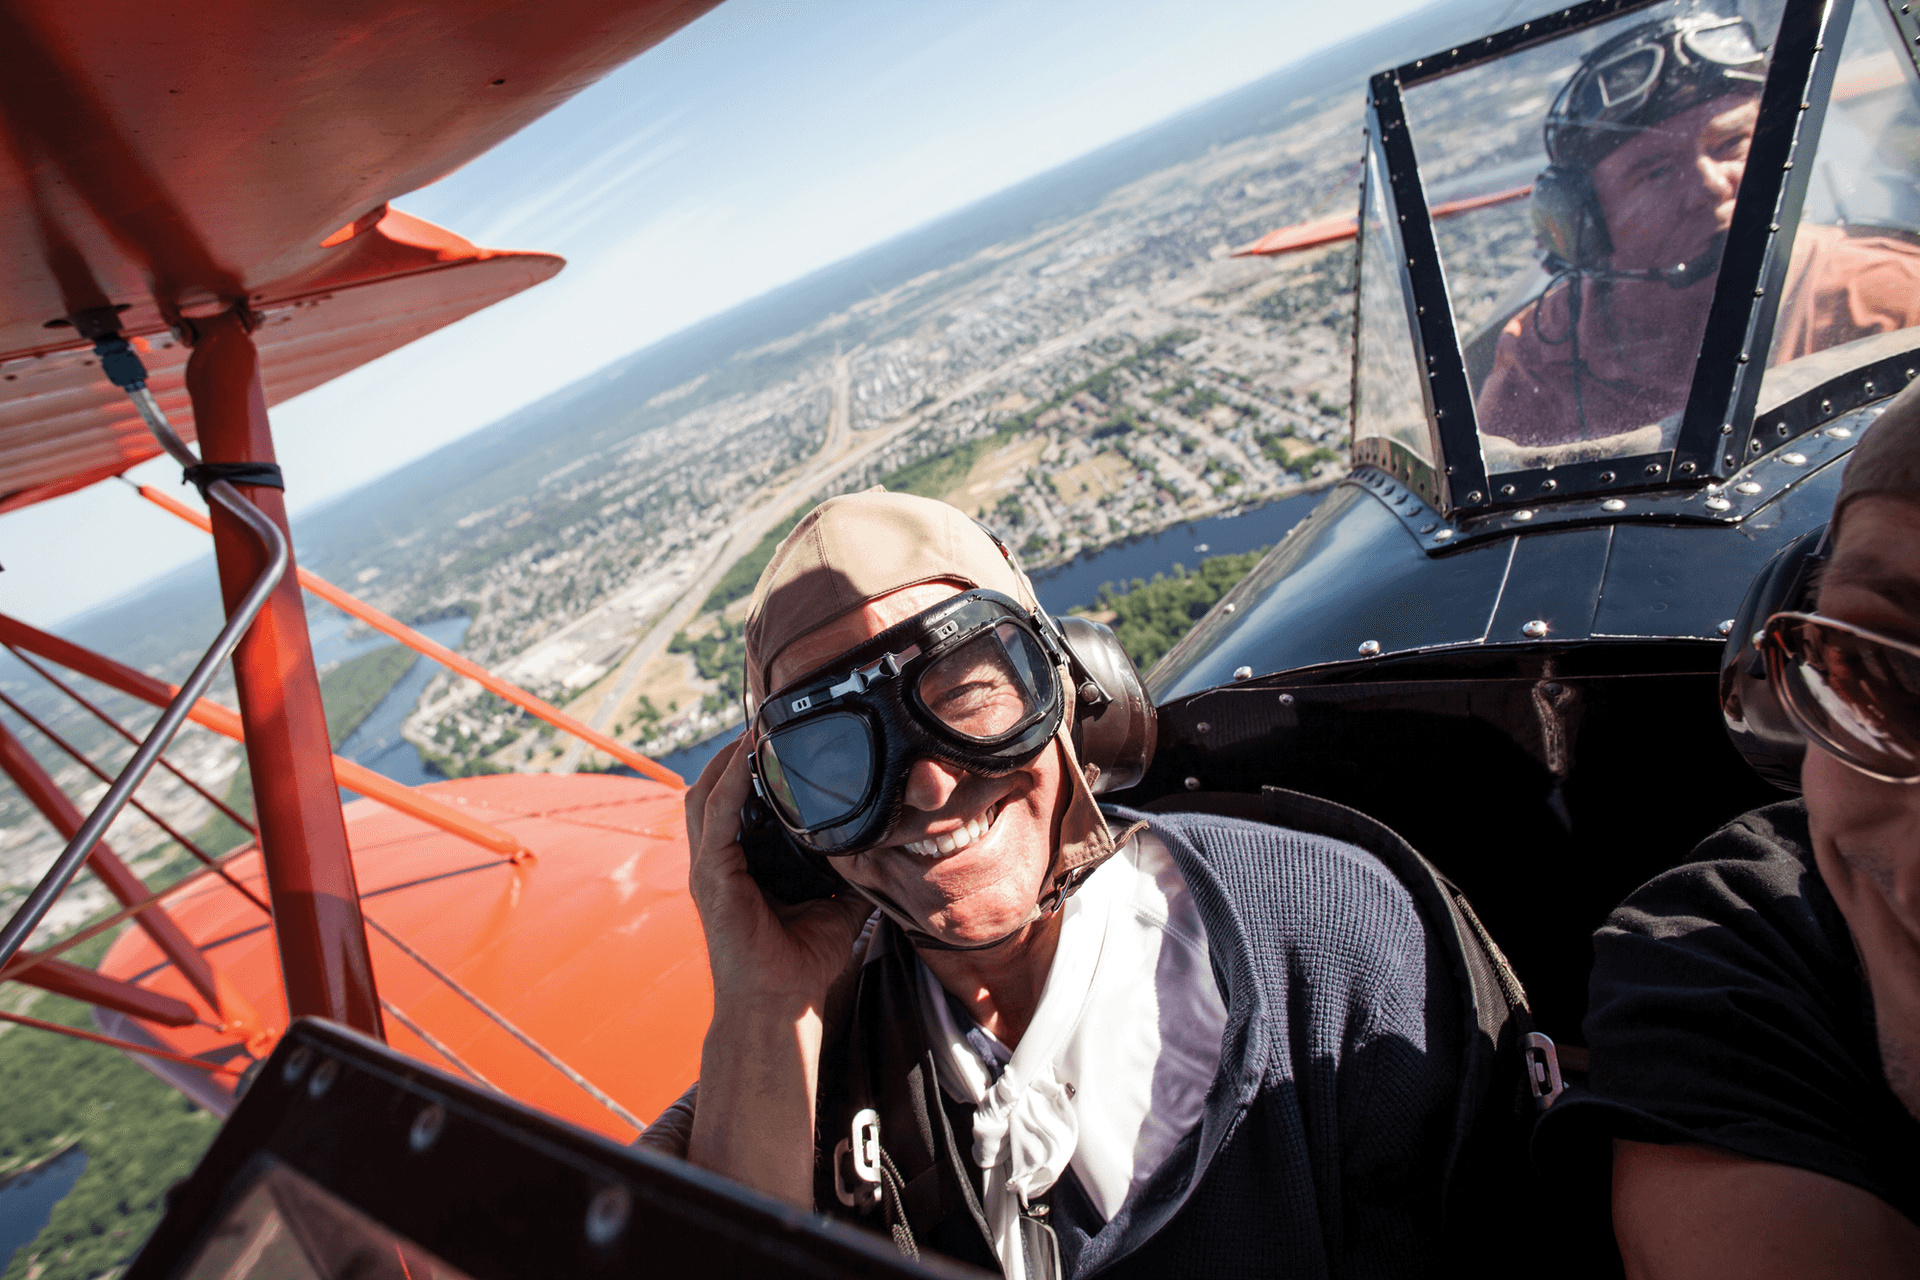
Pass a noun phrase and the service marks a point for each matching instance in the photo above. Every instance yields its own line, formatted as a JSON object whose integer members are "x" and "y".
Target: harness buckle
{"x": 861, "y": 1151}
{"x": 1543, "y": 1069}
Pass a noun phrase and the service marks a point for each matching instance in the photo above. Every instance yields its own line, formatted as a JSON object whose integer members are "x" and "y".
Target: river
{"x": 1078, "y": 582}
{"x": 27, "y": 1200}
{"x": 377, "y": 743}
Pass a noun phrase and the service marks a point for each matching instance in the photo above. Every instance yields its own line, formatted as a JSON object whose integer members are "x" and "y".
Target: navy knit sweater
{"x": 1321, "y": 1148}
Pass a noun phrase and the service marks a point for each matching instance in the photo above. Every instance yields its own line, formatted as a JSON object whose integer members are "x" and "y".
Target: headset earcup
{"x": 1118, "y": 736}
{"x": 1567, "y": 221}
{"x": 1761, "y": 730}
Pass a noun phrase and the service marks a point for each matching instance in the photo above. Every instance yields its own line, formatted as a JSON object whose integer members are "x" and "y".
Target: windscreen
{"x": 1852, "y": 291}
{"x": 286, "y": 1227}
{"x": 1387, "y": 403}
{"x": 1581, "y": 190}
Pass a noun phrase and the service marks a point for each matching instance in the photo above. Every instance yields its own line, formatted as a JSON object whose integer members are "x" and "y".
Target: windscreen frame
{"x": 1726, "y": 382}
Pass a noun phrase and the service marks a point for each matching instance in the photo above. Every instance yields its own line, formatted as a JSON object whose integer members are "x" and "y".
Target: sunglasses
{"x": 1854, "y": 693}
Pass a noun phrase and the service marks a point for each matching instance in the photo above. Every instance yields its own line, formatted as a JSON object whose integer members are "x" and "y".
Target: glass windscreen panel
{"x": 1852, "y": 293}
{"x": 1581, "y": 190}
{"x": 1388, "y": 403}
{"x": 285, "y": 1226}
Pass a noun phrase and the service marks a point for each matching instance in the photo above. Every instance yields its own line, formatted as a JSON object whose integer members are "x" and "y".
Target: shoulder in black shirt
{"x": 1728, "y": 1007}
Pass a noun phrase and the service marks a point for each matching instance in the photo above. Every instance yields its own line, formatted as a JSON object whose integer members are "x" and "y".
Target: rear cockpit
{"x": 1633, "y": 279}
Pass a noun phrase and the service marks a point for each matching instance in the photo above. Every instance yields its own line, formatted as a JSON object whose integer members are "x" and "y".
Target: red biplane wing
{"x": 173, "y": 160}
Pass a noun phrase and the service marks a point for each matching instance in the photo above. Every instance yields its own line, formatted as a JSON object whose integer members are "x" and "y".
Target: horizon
{"x": 424, "y": 379}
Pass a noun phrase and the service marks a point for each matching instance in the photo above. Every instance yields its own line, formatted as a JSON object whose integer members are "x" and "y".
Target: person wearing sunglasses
{"x": 1646, "y": 146}
{"x": 1024, "y": 1031}
{"x": 1754, "y": 1015}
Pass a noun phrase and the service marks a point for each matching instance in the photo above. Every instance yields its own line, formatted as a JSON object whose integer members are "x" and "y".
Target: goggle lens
{"x": 816, "y": 772}
{"x": 987, "y": 687}
{"x": 1856, "y": 694}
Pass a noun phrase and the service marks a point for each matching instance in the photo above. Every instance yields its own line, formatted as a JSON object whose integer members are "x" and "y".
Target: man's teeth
{"x": 954, "y": 841}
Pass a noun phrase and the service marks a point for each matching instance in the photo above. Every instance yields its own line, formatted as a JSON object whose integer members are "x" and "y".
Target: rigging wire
{"x": 192, "y": 848}
{"x": 393, "y": 1011}
{"x": 125, "y": 1046}
{"x": 546, "y": 1055}
{"x": 108, "y": 720}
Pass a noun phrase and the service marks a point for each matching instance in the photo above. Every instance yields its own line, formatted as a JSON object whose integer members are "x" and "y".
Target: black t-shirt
{"x": 1728, "y": 1007}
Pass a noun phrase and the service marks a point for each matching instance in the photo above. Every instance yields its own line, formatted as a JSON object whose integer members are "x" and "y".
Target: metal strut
{"x": 123, "y": 367}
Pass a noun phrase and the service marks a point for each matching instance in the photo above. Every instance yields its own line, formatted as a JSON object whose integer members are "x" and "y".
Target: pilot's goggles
{"x": 1618, "y": 86}
{"x": 973, "y": 682}
{"x": 1850, "y": 691}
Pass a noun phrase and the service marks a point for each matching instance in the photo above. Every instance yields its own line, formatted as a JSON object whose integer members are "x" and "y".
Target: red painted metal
{"x": 174, "y": 159}
{"x": 238, "y": 820}
{"x": 45, "y": 794}
{"x": 446, "y": 657}
{"x": 211, "y": 715}
{"x": 125, "y": 1046}
{"x": 1332, "y": 230}
{"x": 324, "y": 960}
{"x": 70, "y": 980}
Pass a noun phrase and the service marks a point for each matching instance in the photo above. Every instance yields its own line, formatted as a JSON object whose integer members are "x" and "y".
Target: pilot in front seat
{"x": 1066, "y": 1038}
{"x": 1647, "y": 144}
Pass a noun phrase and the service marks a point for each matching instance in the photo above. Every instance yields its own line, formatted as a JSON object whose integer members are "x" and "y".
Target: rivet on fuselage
{"x": 1369, "y": 648}
{"x": 1614, "y": 504}
{"x": 1534, "y": 630}
{"x": 1243, "y": 673}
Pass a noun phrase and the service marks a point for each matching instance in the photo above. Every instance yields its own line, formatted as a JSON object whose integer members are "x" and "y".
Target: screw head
{"x": 607, "y": 1215}
{"x": 323, "y": 1077}
{"x": 1606, "y": 477}
{"x": 1794, "y": 459}
{"x": 1506, "y": 491}
{"x": 1369, "y": 648}
{"x": 1203, "y": 727}
{"x": 1227, "y": 607}
{"x": 297, "y": 1063}
{"x": 1718, "y": 504}
{"x": 1286, "y": 699}
{"x": 1747, "y": 487}
{"x": 1614, "y": 504}
{"x": 1444, "y": 535}
{"x": 1193, "y": 784}
{"x": 1534, "y": 630}
{"x": 1725, "y": 628}
{"x": 426, "y": 1127}
{"x": 1523, "y": 516}
{"x": 1653, "y": 468}
{"x": 1243, "y": 673}
{"x": 1474, "y": 497}
{"x": 1840, "y": 433}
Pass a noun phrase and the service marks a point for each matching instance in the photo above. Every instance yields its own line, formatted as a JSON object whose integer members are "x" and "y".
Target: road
{"x": 833, "y": 458}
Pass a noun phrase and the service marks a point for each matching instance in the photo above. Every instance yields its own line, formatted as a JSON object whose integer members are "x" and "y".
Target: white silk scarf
{"x": 1115, "y": 1067}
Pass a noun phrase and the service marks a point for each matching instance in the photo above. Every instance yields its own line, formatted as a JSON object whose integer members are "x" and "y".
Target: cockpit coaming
{"x": 1500, "y": 634}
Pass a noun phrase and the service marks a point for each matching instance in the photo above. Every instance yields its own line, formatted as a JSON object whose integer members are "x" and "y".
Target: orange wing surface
{"x": 592, "y": 948}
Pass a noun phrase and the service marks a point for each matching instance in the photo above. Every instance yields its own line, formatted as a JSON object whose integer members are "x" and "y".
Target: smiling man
{"x": 1755, "y": 1015}
{"x": 1647, "y": 145}
{"x": 1028, "y": 1032}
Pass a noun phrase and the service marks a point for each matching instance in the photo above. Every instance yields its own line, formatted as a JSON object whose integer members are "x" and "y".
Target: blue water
{"x": 27, "y": 1203}
{"x": 1078, "y": 582}
{"x": 377, "y": 743}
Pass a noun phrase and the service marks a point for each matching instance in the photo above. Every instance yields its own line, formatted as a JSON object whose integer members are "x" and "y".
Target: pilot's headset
{"x": 1115, "y": 724}
{"x": 1639, "y": 77}
{"x": 1761, "y": 730}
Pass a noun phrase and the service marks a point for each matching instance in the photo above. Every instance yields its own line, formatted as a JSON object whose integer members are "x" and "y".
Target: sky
{"x": 762, "y": 142}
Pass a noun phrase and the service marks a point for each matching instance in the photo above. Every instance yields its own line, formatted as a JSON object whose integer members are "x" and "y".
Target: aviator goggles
{"x": 1852, "y": 692}
{"x": 973, "y": 682}
{"x": 1702, "y": 50}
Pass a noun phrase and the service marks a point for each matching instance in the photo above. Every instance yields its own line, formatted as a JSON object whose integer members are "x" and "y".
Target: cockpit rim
{"x": 1720, "y": 435}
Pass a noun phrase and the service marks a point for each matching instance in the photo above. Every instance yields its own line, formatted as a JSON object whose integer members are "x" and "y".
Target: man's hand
{"x": 758, "y": 950}
{"x": 771, "y": 970}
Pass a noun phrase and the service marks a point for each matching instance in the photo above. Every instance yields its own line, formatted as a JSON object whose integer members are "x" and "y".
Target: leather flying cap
{"x": 853, "y": 549}
{"x": 1887, "y": 459}
{"x": 856, "y": 548}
